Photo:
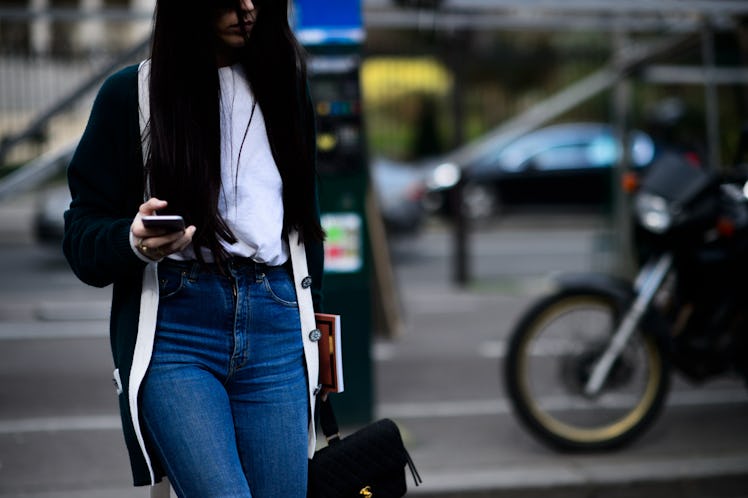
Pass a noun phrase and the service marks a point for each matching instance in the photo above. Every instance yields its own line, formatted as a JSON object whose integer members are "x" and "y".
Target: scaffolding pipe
{"x": 711, "y": 97}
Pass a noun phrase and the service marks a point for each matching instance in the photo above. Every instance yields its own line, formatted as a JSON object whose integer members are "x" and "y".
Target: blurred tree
{"x": 427, "y": 139}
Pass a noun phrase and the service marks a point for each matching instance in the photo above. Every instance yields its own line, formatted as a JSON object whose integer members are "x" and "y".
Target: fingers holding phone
{"x": 157, "y": 236}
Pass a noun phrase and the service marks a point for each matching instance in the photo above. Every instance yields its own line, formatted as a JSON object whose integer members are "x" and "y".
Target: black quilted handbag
{"x": 368, "y": 463}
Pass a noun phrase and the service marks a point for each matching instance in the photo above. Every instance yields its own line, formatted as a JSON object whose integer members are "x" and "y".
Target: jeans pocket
{"x": 280, "y": 287}
{"x": 170, "y": 281}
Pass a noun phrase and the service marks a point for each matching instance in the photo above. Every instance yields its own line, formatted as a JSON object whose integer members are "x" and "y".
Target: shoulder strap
{"x": 327, "y": 420}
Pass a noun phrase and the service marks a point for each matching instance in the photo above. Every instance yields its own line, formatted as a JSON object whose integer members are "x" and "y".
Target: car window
{"x": 561, "y": 157}
{"x": 564, "y": 148}
{"x": 556, "y": 147}
{"x": 603, "y": 150}
{"x": 515, "y": 156}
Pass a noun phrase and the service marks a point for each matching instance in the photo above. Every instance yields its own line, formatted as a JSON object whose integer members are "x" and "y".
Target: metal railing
{"x": 51, "y": 62}
{"x": 66, "y": 102}
{"x": 45, "y": 95}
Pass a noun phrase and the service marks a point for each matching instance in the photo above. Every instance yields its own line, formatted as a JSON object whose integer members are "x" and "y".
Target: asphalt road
{"x": 59, "y": 429}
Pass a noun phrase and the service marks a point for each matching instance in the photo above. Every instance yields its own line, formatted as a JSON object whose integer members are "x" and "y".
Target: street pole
{"x": 711, "y": 97}
{"x": 621, "y": 206}
{"x": 461, "y": 272}
{"x": 741, "y": 91}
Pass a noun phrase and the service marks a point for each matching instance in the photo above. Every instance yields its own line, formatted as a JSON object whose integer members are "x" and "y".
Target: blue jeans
{"x": 225, "y": 398}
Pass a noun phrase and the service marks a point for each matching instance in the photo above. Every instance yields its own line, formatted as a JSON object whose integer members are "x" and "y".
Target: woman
{"x": 216, "y": 376}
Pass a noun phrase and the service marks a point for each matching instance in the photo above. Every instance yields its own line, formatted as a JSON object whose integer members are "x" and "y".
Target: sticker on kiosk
{"x": 343, "y": 246}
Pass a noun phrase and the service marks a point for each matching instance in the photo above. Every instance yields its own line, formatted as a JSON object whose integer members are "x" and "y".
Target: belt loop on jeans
{"x": 194, "y": 271}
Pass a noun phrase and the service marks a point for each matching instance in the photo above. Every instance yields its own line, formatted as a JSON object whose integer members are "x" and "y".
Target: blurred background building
{"x": 52, "y": 54}
{"x": 435, "y": 74}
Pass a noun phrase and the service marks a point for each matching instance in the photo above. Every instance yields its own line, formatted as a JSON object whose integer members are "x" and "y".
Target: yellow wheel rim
{"x": 587, "y": 434}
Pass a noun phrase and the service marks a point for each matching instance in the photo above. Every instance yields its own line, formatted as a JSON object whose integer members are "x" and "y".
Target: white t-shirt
{"x": 251, "y": 197}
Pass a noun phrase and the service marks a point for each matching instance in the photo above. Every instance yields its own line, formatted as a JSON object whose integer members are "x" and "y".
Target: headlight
{"x": 444, "y": 176}
{"x": 653, "y": 212}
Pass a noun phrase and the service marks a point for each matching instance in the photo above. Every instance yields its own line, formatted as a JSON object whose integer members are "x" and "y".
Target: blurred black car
{"x": 569, "y": 163}
{"x": 49, "y": 225}
{"x": 52, "y": 195}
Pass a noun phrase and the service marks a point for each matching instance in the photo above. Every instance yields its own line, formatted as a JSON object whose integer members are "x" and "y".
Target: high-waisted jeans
{"x": 225, "y": 398}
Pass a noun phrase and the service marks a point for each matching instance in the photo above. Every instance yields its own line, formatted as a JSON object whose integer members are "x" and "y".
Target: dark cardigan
{"x": 106, "y": 182}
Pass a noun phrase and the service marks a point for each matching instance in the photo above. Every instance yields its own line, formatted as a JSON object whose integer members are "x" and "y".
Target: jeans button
{"x": 306, "y": 282}
{"x": 315, "y": 335}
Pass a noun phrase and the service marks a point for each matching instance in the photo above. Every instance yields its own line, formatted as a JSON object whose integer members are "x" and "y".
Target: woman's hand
{"x": 155, "y": 243}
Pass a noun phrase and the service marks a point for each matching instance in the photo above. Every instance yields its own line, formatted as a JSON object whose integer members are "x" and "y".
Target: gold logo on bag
{"x": 366, "y": 492}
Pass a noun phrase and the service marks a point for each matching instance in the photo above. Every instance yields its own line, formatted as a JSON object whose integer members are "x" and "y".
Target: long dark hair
{"x": 184, "y": 163}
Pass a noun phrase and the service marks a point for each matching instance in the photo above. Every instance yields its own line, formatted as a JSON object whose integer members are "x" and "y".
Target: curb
{"x": 726, "y": 477}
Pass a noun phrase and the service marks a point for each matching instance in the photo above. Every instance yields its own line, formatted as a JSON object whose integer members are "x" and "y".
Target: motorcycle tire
{"x": 549, "y": 358}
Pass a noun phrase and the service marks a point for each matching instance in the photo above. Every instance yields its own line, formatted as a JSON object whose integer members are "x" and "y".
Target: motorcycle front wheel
{"x": 550, "y": 357}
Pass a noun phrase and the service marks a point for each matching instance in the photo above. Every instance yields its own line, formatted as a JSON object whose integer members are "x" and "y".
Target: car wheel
{"x": 479, "y": 201}
{"x": 434, "y": 202}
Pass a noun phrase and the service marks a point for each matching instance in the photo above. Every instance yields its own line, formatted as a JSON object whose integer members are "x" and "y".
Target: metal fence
{"x": 426, "y": 88}
{"x": 50, "y": 67}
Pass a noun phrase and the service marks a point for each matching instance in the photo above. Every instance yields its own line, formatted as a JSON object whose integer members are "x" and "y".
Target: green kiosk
{"x": 332, "y": 33}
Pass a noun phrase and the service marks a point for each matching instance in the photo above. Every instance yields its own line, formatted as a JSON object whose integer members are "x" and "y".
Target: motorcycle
{"x": 588, "y": 365}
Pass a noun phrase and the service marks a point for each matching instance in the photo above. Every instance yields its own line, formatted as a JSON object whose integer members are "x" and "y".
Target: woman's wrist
{"x": 136, "y": 244}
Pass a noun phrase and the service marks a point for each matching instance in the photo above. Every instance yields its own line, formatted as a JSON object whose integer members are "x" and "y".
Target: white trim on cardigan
{"x": 148, "y": 299}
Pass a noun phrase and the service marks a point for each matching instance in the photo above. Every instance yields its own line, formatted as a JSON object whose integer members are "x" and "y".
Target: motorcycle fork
{"x": 648, "y": 282}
